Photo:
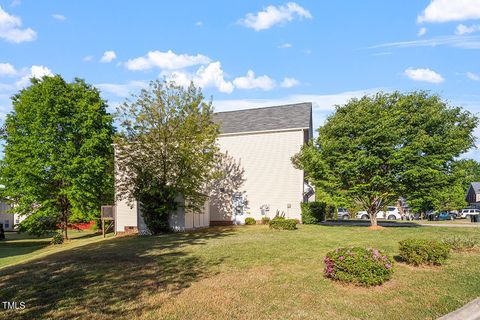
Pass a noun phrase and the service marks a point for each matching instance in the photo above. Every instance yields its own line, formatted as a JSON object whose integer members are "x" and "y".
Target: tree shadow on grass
{"x": 10, "y": 249}
{"x": 15, "y": 246}
{"x": 120, "y": 277}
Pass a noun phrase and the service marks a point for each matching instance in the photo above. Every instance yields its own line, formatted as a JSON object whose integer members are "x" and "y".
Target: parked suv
{"x": 392, "y": 213}
{"x": 343, "y": 214}
{"x": 466, "y": 212}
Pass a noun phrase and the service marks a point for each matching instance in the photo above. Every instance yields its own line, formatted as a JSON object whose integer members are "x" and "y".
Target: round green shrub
{"x": 250, "y": 221}
{"x": 57, "y": 239}
{"x": 313, "y": 212}
{"x": 361, "y": 266}
{"x": 459, "y": 243}
{"x": 421, "y": 251}
{"x": 280, "y": 223}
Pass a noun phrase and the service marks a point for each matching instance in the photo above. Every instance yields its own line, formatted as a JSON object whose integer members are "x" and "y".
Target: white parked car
{"x": 466, "y": 212}
{"x": 343, "y": 214}
{"x": 392, "y": 213}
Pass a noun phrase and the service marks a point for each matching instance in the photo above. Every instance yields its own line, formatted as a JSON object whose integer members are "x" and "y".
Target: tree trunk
{"x": 373, "y": 218}
{"x": 65, "y": 225}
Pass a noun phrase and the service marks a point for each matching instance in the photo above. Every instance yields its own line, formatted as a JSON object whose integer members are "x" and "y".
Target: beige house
{"x": 7, "y": 219}
{"x": 262, "y": 140}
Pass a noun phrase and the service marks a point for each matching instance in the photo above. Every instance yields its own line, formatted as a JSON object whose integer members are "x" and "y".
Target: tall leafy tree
{"x": 165, "y": 151}
{"x": 380, "y": 147}
{"x": 58, "y": 153}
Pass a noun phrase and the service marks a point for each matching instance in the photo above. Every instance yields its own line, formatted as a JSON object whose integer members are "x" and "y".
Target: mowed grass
{"x": 236, "y": 273}
{"x": 23, "y": 247}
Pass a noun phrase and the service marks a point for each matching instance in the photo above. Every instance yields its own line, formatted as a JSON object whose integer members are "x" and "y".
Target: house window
{"x": 239, "y": 203}
{"x": 7, "y": 224}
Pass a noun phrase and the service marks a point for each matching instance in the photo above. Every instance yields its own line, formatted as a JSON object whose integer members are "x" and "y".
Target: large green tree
{"x": 165, "y": 151}
{"x": 380, "y": 147}
{"x": 58, "y": 153}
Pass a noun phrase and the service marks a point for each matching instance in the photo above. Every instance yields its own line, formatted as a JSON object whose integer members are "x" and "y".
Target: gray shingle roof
{"x": 476, "y": 187}
{"x": 289, "y": 116}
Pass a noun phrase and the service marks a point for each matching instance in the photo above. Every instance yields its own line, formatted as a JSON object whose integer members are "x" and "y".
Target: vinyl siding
{"x": 270, "y": 176}
{"x": 179, "y": 221}
{"x": 7, "y": 219}
{"x": 125, "y": 215}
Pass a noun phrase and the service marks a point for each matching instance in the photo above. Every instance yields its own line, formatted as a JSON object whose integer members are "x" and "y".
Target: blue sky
{"x": 248, "y": 53}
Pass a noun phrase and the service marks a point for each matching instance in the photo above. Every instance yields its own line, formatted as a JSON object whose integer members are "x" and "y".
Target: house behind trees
{"x": 262, "y": 141}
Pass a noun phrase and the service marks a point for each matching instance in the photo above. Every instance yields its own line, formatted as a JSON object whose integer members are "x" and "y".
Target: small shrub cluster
{"x": 420, "y": 251}
{"x": 57, "y": 239}
{"x": 458, "y": 243}
{"x": 265, "y": 220}
{"x": 249, "y": 221}
{"x": 313, "y": 212}
{"x": 361, "y": 266}
{"x": 280, "y": 223}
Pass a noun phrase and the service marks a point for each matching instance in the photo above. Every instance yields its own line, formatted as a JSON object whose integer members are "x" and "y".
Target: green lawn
{"x": 236, "y": 273}
{"x": 22, "y": 247}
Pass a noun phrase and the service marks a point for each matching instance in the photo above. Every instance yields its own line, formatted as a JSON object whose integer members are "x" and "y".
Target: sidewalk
{"x": 470, "y": 311}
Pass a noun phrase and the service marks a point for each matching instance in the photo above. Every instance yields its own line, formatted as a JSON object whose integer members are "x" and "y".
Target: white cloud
{"x": 87, "y": 58}
{"x": 165, "y": 61}
{"x": 450, "y": 10}
{"x": 108, "y": 56}
{"x": 273, "y": 15}
{"x": 122, "y": 90}
{"x": 10, "y": 29}
{"x": 422, "y": 31}
{"x": 59, "y": 17}
{"x": 289, "y": 82}
{"x": 34, "y": 72}
{"x": 251, "y": 82}
{"x": 199, "y": 24}
{"x": 464, "y": 42}
{"x": 285, "y": 45}
{"x": 472, "y": 76}
{"x": 210, "y": 76}
{"x": 6, "y": 69}
{"x": 425, "y": 75}
{"x": 463, "y": 29}
{"x": 179, "y": 67}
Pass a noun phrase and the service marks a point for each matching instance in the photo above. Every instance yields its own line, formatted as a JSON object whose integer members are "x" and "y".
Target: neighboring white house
{"x": 8, "y": 219}
{"x": 263, "y": 141}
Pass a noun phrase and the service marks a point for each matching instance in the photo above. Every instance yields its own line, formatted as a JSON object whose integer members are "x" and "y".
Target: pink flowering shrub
{"x": 361, "y": 266}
